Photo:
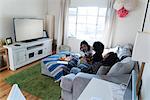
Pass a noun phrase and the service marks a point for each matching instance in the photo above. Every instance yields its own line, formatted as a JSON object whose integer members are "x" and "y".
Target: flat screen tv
{"x": 27, "y": 29}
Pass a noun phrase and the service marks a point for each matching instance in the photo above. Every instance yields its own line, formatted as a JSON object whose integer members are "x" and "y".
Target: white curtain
{"x": 110, "y": 25}
{"x": 63, "y": 18}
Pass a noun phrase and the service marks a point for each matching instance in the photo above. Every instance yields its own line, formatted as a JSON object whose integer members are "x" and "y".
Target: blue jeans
{"x": 75, "y": 70}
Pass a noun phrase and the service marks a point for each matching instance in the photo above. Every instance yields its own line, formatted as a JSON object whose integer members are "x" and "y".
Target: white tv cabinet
{"x": 23, "y": 53}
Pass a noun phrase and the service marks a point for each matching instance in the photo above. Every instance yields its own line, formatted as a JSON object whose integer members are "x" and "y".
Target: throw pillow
{"x": 103, "y": 70}
{"x": 123, "y": 53}
{"x": 128, "y": 46}
{"x": 123, "y": 67}
{"x": 127, "y": 60}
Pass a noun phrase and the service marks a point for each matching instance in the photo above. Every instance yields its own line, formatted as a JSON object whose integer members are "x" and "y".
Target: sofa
{"x": 72, "y": 85}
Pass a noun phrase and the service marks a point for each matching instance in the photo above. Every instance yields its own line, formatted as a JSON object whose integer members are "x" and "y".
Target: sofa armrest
{"x": 67, "y": 82}
{"x": 80, "y": 82}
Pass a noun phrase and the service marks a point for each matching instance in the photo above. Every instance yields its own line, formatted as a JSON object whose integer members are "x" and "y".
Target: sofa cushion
{"x": 127, "y": 60}
{"x": 123, "y": 67}
{"x": 67, "y": 82}
{"x": 123, "y": 53}
{"x": 103, "y": 70}
{"x": 128, "y": 46}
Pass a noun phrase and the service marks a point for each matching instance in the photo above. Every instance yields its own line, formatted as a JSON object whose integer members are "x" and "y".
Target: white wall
{"x": 53, "y": 9}
{"x": 19, "y": 8}
{"x": 74, "y": 44}
{"x": 127, "y": 27}
{"x": 82, "y": 3}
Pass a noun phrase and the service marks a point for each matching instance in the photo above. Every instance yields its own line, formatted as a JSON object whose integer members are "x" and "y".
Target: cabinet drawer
{"x": 19, "y": 57}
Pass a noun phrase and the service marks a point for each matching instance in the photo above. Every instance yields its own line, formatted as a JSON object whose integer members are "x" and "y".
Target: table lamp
{"x": 141, "y": 53}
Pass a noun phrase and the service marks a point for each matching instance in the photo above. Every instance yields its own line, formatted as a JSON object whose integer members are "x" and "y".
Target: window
{"x": 87, "y": 23}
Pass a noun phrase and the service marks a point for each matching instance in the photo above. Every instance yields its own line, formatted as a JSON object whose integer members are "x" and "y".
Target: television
{"x": 27, "y": 29}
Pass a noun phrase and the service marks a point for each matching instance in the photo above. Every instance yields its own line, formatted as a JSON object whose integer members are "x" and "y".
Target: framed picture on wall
{"x": 9, "y": 41}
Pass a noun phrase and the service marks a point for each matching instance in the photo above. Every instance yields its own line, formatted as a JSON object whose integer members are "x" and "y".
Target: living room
{"x": 121, "y": 29}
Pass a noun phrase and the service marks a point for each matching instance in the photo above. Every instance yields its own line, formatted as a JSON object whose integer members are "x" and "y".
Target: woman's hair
{"x": 85, "y": 43}
{"x": 98, "y": 47}
{"x": 110, "y": 59}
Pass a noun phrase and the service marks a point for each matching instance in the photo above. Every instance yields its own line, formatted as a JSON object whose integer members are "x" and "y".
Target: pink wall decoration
{"x": 124, "y": 6}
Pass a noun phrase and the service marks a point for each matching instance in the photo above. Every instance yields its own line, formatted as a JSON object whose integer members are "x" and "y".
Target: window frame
{"x": 86, "y": 15}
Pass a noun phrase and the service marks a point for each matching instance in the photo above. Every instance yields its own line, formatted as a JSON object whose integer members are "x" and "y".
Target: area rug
{"x": 31, "y": 81}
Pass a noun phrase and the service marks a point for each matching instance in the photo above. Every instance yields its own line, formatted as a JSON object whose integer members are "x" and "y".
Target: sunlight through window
{"x": 87, "y": 23}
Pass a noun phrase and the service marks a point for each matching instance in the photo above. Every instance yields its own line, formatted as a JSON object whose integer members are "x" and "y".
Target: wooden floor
{"x": 5, "y": 88}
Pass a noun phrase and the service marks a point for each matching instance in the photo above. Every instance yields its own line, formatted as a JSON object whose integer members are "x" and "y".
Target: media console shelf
{"x": 23, "y": 53}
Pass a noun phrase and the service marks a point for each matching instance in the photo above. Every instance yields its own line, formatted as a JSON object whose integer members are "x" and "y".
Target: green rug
{"x": 31, "y": 81}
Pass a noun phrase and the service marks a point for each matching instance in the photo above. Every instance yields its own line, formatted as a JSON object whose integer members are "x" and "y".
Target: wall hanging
{"x": 124, "y": 6}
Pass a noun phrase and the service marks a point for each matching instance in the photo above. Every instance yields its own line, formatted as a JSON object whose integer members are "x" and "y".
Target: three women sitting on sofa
{"x": 91, "y": 63}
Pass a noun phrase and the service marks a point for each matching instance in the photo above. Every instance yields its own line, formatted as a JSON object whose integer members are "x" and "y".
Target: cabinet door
{"x": 19, "y": 57}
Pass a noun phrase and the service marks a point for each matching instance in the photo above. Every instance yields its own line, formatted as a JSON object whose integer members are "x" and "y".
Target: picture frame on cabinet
{"x": 45, "y": 34}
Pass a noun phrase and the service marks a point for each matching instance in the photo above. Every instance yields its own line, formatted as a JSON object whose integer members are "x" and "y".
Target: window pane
{"x": 100, "y": 28}
{"x": 92, "y": 11}
{"x": 72, "y": 19}
{"x": 82, "y": 10}
{"x": 99, "y": 37}
{"x": 81, "y": 27}
{"x": 91, "y": 29}
{"x": 83, "y": 35}
{"x": 81, "y": 19}
{"x": 72, "y": 30}
{"x": 91, "y": 19}
{"x": 101, "y": 23}
{"x": 87, "y": 23}
{"x": 101, "y": 20}
{"x": 102, "y": 11}
{"x": 73, "y": 11}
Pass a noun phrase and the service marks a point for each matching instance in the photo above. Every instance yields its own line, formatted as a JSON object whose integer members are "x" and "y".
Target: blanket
{"x": 54, "y": 66}
{"x": 57, "y": 67}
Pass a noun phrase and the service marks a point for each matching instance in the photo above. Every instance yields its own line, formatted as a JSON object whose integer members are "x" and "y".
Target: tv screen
{"x": 28, "y": 29}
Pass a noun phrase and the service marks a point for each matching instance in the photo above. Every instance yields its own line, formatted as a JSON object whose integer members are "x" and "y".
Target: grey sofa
{"x": 72, "y": 85}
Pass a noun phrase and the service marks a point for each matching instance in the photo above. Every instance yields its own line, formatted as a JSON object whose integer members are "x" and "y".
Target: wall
{"x": 127, "y": 27}
{"x": 74, "y": 44}
{"x": 19, "y": 8}
{"x": 53, "y": 9}
{"x": 82, "y": 3}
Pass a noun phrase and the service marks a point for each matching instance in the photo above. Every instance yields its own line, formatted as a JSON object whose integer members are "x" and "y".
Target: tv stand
{"x": 22, "y": 53}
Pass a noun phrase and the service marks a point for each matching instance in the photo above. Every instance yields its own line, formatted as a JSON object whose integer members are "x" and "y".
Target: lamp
{"x": 141, "y": 52}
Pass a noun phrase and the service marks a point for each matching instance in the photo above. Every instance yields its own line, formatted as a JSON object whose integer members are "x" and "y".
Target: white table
{"x": 15, "y": 93}
{"x": 97, "y": 89}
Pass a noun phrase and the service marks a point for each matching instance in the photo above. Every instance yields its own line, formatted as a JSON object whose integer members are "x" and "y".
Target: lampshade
{"x": 141, "y": 49}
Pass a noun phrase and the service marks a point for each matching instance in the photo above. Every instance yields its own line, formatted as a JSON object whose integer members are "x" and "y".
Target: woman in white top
{"x": 85, "y": 48}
